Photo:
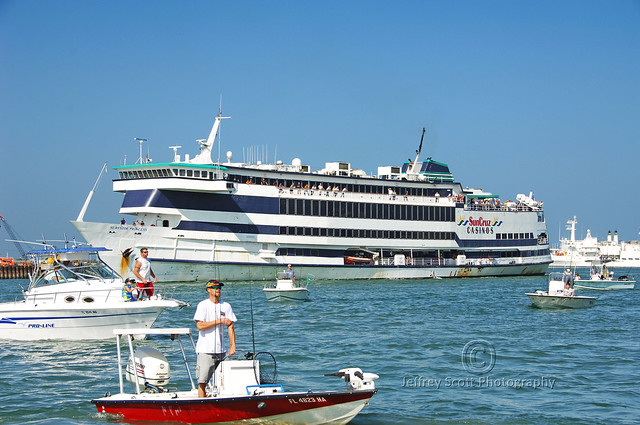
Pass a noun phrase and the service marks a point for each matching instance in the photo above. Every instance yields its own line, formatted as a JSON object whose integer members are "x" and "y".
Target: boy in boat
{"x": 129, "y": 291}
{"x": 211, "y": 315}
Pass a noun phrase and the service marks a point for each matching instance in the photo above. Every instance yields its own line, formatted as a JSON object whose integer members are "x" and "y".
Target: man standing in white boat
{"x": 142, "y": 270}
{"x": 290, "y": 274}
{"x": 211, "y": 315}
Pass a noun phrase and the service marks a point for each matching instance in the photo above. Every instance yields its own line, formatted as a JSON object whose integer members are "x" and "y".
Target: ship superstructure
{"x": 589, "y": 251}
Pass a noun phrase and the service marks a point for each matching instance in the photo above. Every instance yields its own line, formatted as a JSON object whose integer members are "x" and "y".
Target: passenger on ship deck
{"x": 290, "y": 274}
{"x": 123, "y": 221}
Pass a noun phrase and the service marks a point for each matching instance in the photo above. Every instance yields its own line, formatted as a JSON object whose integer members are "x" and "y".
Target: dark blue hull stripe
{"x": 200, "y": 201}
{"x": 9, "y": 319}
{"x": 204, "y": 226}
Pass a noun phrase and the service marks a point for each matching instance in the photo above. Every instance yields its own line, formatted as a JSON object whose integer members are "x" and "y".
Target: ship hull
{"x": 194, "y": 267}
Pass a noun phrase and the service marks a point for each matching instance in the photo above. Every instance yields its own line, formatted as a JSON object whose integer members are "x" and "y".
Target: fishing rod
{"x": 253, "y": 338}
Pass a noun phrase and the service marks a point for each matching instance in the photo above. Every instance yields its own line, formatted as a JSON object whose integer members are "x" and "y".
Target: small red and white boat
{"x": 240, "y": 391}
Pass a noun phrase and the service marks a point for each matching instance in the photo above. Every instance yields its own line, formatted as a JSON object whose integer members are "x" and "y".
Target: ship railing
{"x": 435, "y": 262}
{"x": 490, "y": 207}
{"x": 361, "y": 196}
{"x": 419, "y": 262}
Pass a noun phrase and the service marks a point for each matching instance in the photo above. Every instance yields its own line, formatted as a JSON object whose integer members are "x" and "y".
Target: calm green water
{"x": 549, "y": 367}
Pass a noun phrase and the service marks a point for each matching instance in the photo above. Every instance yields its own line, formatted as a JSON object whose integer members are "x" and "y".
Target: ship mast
{"x": 414, "y": 168}
{"x": 204, "y": 157}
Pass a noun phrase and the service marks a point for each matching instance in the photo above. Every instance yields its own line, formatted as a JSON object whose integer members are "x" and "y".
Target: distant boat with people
{"x": 560, "y": 293}
{"x": 603, "y": 278}
{"x": 237, "y": 220}
{"x": 286, "y": 288}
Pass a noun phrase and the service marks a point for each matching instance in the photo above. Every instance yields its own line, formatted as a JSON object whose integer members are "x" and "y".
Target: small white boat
{"x": 72, "y": 294}
{"x": 286, "y": 288}
{"x": 241, "y": 391}
{"x": 556, "y": 297}
{"x": 602, "y": 278}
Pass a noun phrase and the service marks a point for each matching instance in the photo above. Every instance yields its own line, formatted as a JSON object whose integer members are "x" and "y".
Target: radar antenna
{"x": 175, "y": 153}
{"x": 141, "y": 141}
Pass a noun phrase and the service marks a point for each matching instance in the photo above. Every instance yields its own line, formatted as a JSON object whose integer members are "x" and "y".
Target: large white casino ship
{"x": 238, "y": 221}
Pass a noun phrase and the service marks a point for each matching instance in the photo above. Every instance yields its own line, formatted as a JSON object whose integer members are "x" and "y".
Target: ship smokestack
{"x": 615, "y": 236}
{"x": 609, "y": 236}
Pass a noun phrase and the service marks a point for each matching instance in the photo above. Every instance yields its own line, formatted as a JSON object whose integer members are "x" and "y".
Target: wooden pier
{"x": 18, "y": 271}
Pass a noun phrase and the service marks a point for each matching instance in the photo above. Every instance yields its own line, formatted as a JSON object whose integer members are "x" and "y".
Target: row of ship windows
{"x": 514, "y": 235}
{"x": 320, "y": 208}
{"x": 306, "y": 252}
{"x": 163, "y": 172}
{"x": 365, "y": 233}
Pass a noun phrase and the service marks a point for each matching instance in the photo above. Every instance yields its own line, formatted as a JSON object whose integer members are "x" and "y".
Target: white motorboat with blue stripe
{"x": 72, "y": 294}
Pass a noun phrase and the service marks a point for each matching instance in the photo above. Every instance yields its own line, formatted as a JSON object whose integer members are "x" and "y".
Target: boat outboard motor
{"x": 356, "y": 379}
{"x": 152, "y": 368}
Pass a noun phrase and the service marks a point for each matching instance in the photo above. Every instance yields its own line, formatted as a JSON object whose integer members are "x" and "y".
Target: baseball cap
{"x": 213, "y": 283}
{"x": 129, "y": 279}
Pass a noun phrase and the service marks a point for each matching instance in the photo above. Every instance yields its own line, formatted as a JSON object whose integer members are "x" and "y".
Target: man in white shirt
{"x": 211, "y": 315}
{"x": 568, "y": 290}
{"x": 142, "y": 270}
{"x": 290, "y": 274}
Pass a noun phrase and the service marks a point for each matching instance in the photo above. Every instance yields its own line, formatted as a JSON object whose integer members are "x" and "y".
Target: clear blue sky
{"x": 515, "y": 96}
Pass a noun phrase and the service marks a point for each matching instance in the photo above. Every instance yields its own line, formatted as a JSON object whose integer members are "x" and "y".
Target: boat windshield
{"x": 67, "y": 273}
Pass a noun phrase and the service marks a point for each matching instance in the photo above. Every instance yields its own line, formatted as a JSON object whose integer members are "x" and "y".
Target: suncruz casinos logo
{"x": 479, "y": 225}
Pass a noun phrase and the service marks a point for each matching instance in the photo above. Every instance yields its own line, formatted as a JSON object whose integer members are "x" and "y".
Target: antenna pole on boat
{"x": 141, "y": 141}
{"x": 86, "y": 202}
